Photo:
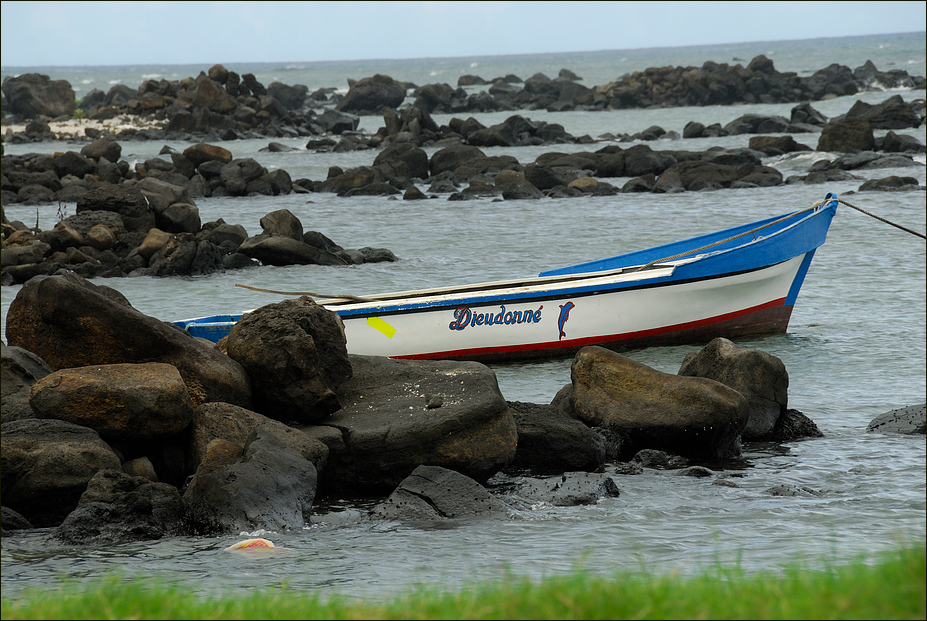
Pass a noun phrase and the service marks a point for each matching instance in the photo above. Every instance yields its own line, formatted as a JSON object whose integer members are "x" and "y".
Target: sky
{"x": 45, "y": 34}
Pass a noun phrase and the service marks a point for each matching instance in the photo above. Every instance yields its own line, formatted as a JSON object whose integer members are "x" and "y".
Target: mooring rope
{"x": 344, "y": 296}
{"x": 751, "y": 231}
{"x": 881, "y": 219}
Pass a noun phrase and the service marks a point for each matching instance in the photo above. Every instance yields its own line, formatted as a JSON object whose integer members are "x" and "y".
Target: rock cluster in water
{"x": 233, "y": 106}
{"x": 117, "y": 426}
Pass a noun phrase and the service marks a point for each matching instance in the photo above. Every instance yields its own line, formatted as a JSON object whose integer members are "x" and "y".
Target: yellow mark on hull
{"x": 378, "y": 324}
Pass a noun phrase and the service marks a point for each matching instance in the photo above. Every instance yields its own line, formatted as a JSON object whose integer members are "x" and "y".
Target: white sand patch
{"x": 73, "y": 128}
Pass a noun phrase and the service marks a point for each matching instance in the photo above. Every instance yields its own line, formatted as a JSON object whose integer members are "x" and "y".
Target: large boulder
{"x": 433, "y": 493}
{"x": 128, "y": 202}
{"x": 911, "y": 420}
{"x": 33, "y": 94}
{"x": 46, "y": 465}
{"x": 121, "y": 402}
{"x": 893, "y": 113}
{"x": 689, "y": 416}
{"x": 850, "y": 134}
{"x": 760, "y": 377}
{"x": 296, "y": 355}
{"x": 266, "y": 486}
{"x": 450, "y": 158}
{"x": 118, "y": 508}
{"x": 397, "y": 415}
{"x": 70, "y": 322}
{"x": 567, "y": 490}
{"x": 280, "y": 250}
{"x": 551, "y": 441}
{"x": 201, "y": 153}
{"x": 19, "y": 370}
{"x": 103, "y": 147}
{"x": 224, "y": 421}
{"x": 372, "y": 94}
{"x": 283, "y": 223}
{"x": 413, "y": 157}
{"x": 696, "y": 175}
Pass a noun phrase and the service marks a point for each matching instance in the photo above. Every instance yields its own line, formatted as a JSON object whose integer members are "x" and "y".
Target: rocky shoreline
{"x": 119, "y": 427}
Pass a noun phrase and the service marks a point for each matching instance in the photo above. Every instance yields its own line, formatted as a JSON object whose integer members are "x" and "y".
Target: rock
{"x": 387, "y": 429}
{"x": 372, "y": 94}
{"x": 237, "y": 174}
{"x": 290, "y": 97}
{"x": 119, "y": 508}
{"x": 200, "y": 153}
{"x": 869, "y": 160}
{"x": 433, "y": 493}
{"x": 296, "y": 356}
{"x": 71, "y": 163}
{"x": 760, "y": 377}
{"x": 893, "y": 143}
{"x": 793, "y": 425}
{"x": 19, "y": 370}
{"x": 893, "y": 113}
{"x": 11, "y": 520}
{"x": 160, "y": 195}
{"x": 47, "y": 465}
{"x": 128, "y": 202}
{"x": 550, "y": 441}
{"x": 283, "y": 223}
{"x": 234, "y": 424}
{"x": 890, "y": 184}
{"x": 846, "y": 135}
{"x": 278, "y": 250}
{"x": 70, "y": 322}
{"x": 777, "y": 145}
{"x": 413, "y": 157}
{"x": 911, "y": 420}
{"x": 568, "y": 490}
{"x": 336, "y": 122}
{"x": 452, "y": 157}
{"x": 697, "y": 175}
{"x": 121, "y": 402}
{"x": 179, "y": 218}
{"x": 690, "y": 416}
{"x": 513, "y": 186}
{"x": 33, "y": 94}
{"x": 267, "y": 486}
{"x": 804, "y": 114}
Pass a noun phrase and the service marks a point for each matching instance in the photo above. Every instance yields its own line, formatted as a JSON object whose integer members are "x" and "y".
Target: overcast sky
{"x": 39, "y": 34}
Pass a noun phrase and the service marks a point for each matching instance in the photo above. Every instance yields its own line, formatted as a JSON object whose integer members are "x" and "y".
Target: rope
{"x": 738, "y": 236}
{"x": 345, "y": 296}
{"x": 881, "y": 219}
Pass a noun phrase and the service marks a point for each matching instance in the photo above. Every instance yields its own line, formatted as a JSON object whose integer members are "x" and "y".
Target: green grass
{"x": 889, "y": 587}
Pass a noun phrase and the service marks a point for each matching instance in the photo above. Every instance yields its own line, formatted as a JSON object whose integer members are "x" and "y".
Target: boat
{"x": 736, "y": 282}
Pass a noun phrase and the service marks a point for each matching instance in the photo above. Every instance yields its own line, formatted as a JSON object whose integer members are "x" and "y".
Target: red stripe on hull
{"x": 768, "y": 318}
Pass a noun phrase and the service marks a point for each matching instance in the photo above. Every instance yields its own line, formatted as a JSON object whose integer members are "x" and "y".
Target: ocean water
{"x": 855, "y": 347}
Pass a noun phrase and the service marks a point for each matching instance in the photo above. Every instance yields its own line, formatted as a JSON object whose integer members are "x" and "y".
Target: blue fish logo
{"x": 564, "y": 316}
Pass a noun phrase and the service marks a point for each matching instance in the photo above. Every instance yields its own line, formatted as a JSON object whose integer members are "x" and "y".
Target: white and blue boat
{"x": 736, "y": 282}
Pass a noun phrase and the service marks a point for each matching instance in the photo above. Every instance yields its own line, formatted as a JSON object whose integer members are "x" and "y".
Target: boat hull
{"x": 637, "y": 316}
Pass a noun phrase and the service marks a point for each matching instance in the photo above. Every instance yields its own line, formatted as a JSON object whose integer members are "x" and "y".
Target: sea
{"x": 855, "y": 347}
